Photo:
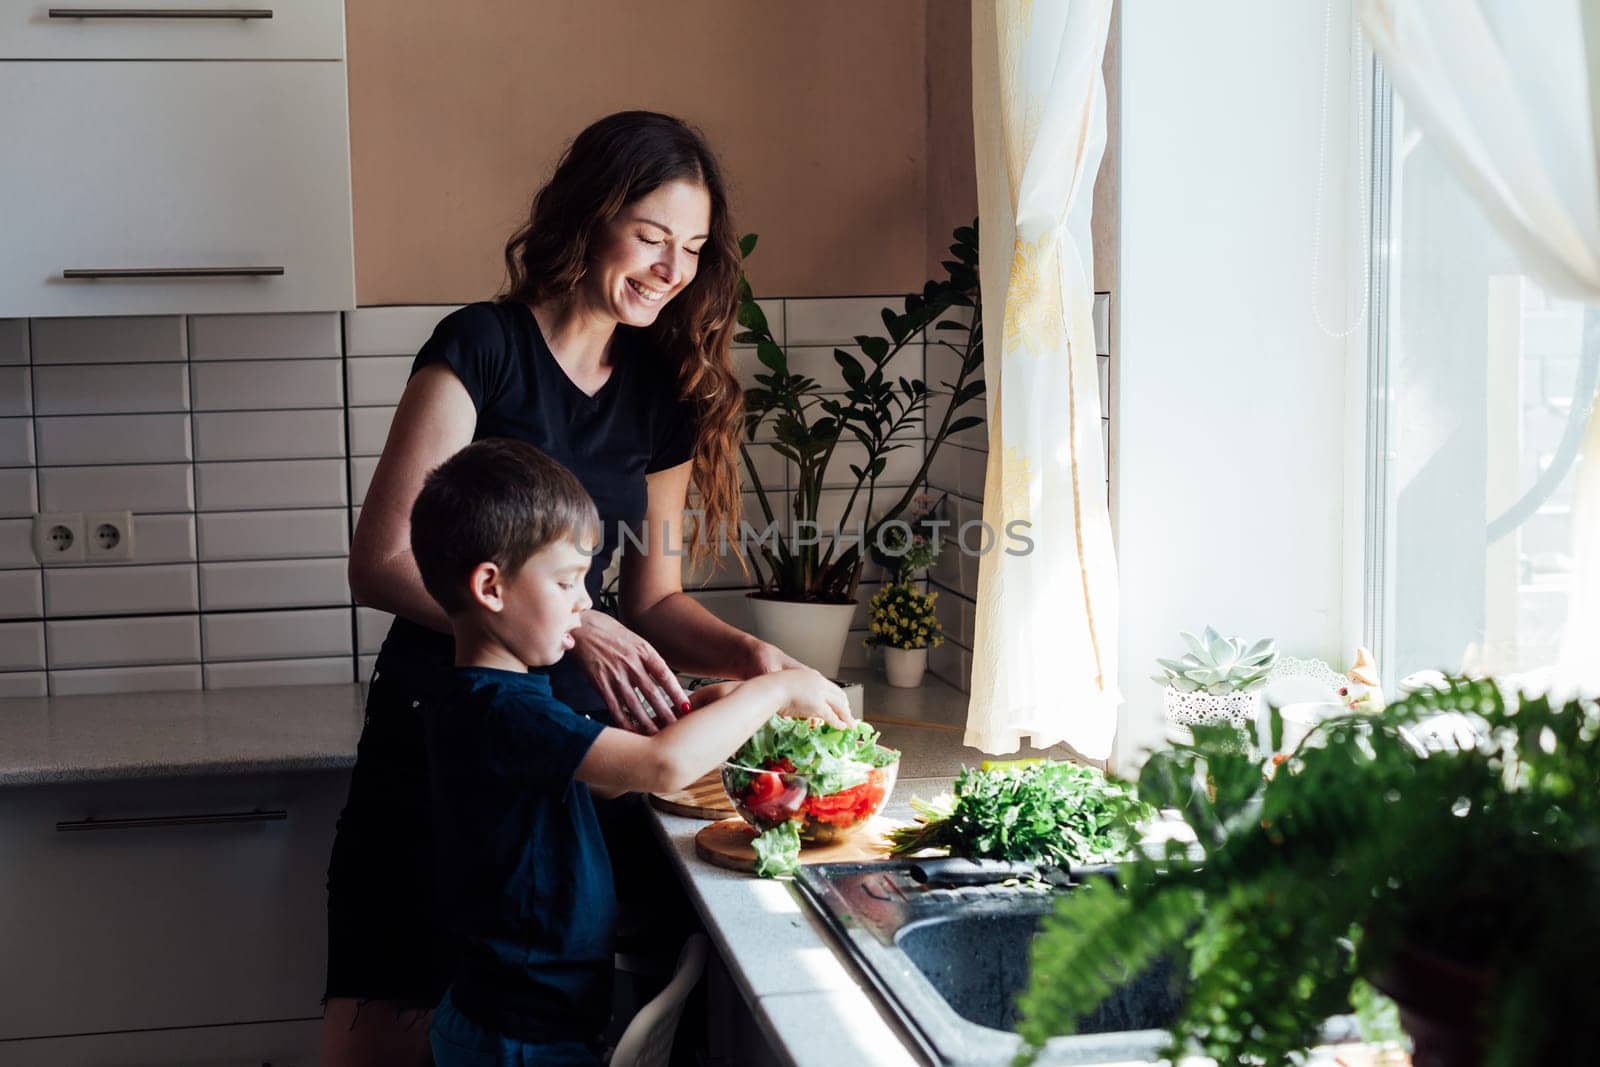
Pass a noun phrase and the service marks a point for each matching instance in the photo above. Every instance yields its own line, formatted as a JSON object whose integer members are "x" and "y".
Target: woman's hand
{"x": 622, "y": 665}
{"x": 761, "y": 658}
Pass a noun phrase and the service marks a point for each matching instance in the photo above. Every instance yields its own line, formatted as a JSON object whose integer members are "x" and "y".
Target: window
{"x": 1474, "y": 377}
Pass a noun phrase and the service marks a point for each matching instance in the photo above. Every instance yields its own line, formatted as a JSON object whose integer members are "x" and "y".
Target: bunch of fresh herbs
{"x": 1045, "y": 812}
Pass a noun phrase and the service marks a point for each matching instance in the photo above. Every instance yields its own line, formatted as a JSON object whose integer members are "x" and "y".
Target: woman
{"x": 609, "y": 352}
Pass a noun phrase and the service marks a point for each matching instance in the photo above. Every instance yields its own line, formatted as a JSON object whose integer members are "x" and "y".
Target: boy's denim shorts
{"x": 457, "y": 1041}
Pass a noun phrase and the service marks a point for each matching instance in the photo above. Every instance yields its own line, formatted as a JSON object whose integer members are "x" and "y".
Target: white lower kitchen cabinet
{"x": 132, "y": 907}
{"x": 167, "y": 188}
{"x": 287, "y": 1044}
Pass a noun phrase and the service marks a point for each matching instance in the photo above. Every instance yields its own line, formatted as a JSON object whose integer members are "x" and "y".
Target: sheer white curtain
{"x": 1045, "y": 650}
{"x": 1506, "y": 90}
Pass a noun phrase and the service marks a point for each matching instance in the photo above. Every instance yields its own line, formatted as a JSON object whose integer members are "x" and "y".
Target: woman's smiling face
{"x": 649, "y": 253}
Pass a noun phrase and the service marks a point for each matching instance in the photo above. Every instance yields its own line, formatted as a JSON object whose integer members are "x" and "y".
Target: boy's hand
{"x": 706, "y": 694}
{"x": 811, "y": 696}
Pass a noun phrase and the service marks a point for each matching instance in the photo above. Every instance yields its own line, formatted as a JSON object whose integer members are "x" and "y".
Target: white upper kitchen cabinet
{"x": 157, "y": 187}
{"x": 142, "y": 29}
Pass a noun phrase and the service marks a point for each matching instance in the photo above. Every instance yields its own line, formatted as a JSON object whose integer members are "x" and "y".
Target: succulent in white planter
{"x": 1218, "y": 680}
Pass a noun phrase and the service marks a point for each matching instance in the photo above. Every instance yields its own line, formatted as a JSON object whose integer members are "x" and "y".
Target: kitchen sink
{"x": 949, "y": 962}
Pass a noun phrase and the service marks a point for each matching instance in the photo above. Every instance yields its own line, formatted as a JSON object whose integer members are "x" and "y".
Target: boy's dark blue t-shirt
{"x": 524, "y": 877}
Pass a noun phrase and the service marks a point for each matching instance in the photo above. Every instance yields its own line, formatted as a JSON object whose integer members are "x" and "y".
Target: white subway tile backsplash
{"x": 144, "y": 339}
{"x": 369, "y": 429}
{"x": 269, "y": 435}
{"x": 372, "y": 626}
{"x": 125, "y": 680}
{"x": 837, "y": 320}
{"x": 164, "y": 538}
{"x": 16, "y": 543}
{"x": 262, "y": 384}
{"x": 124, "y": 642}
{"x": 255, "y": 475}
{"x": 821, "y": 364}
{"x": 773, "y": 310}
{"x": 307, "y": 336}
{"x": 18, "y": 491}
{"x": 306, "y": 583}
{"x": 166, "y": 589}
{"x": 109, "y": 389}
{"x": 944, "y": 472}
{"x": 307, "y": 483}
{"x": 22, "y": 646}
{"x": 391, "y": 331}
{"x": 24, "y": 684}
{"x": 900, "y": 466}
{"x": 362, "y": 469}
{"x": 138, "y": 488}
{"x": 113, "y": 439}
{"x": 974, "y": 468}
{"x": 300, "y": 534}
{"x": 378, "y": 381}
{"x": 278, "y": 634}
{"x": 16, "y": 391}
{"x": 16, "y": 442}
{"x": 13, "y": 341}
{"x": 335, "y": 671}
{"x": 21, "y": 594}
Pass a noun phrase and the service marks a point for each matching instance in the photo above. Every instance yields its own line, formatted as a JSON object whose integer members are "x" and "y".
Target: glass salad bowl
{"x": 767, "y": 796}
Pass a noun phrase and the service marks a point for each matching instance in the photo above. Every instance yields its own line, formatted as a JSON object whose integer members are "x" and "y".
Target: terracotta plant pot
{"x": 1441, "y": 1007}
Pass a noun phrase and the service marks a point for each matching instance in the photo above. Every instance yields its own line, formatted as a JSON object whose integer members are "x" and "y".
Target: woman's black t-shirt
{"x": 633, "y": 426}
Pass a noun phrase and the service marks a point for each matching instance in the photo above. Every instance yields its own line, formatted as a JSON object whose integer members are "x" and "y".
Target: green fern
{"x": 1311, "y": 874}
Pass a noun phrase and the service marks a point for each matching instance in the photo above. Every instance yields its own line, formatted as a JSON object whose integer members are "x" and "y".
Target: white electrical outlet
{"x": 108, "y": 536}
{"x": 58, "y": 537}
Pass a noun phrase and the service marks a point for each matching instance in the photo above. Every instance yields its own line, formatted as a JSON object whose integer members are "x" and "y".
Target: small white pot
{"x": 1200, "y": 707}
{"x": 905, "y": 666}
{"x": 814, "y": 634}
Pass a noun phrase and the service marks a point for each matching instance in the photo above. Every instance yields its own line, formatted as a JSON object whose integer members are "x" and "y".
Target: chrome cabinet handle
{"x": 151, "y": 822}
{"x": 171, "y": 272}
{"x": 161, "y": 13}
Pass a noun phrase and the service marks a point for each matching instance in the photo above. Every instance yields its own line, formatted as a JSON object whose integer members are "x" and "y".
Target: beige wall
{"x": 817, "y": 109}
{"x": 845, "y": 130}
{"x": 952, "y": 170}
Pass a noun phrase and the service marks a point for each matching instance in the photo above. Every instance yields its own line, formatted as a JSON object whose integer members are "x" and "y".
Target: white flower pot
{"x": 905, "y": 666}
{"x": 1200, "y": 707}
{"x": 814, "y": 634}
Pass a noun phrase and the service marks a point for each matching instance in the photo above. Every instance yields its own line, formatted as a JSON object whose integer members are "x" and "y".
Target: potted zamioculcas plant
{"x": 1456, "y": 871}
{"x": 808, "y": 579}
{"x": 1217, "y": 680}
{"x": 903, "y": 620}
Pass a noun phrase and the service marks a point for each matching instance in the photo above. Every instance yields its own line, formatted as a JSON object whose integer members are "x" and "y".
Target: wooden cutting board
{"x": 727, "y": 844}
{"x": 705, "y": 799}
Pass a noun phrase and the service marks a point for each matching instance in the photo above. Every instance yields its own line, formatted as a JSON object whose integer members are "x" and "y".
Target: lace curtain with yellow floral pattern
{"x": 1045, "y": 650}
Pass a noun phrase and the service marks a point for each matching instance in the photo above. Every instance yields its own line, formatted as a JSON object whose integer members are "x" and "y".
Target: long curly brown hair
{"x": 608, "y": 166}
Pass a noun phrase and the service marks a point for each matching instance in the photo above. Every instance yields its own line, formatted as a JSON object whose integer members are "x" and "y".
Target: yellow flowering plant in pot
{"x": 903, "y": 620}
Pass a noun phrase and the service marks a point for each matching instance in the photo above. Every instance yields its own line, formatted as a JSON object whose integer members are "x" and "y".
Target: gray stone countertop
{"x": 56, "y": 740}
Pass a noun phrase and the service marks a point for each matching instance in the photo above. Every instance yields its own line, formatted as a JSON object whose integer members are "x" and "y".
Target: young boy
{"x": 524, "y": 878}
